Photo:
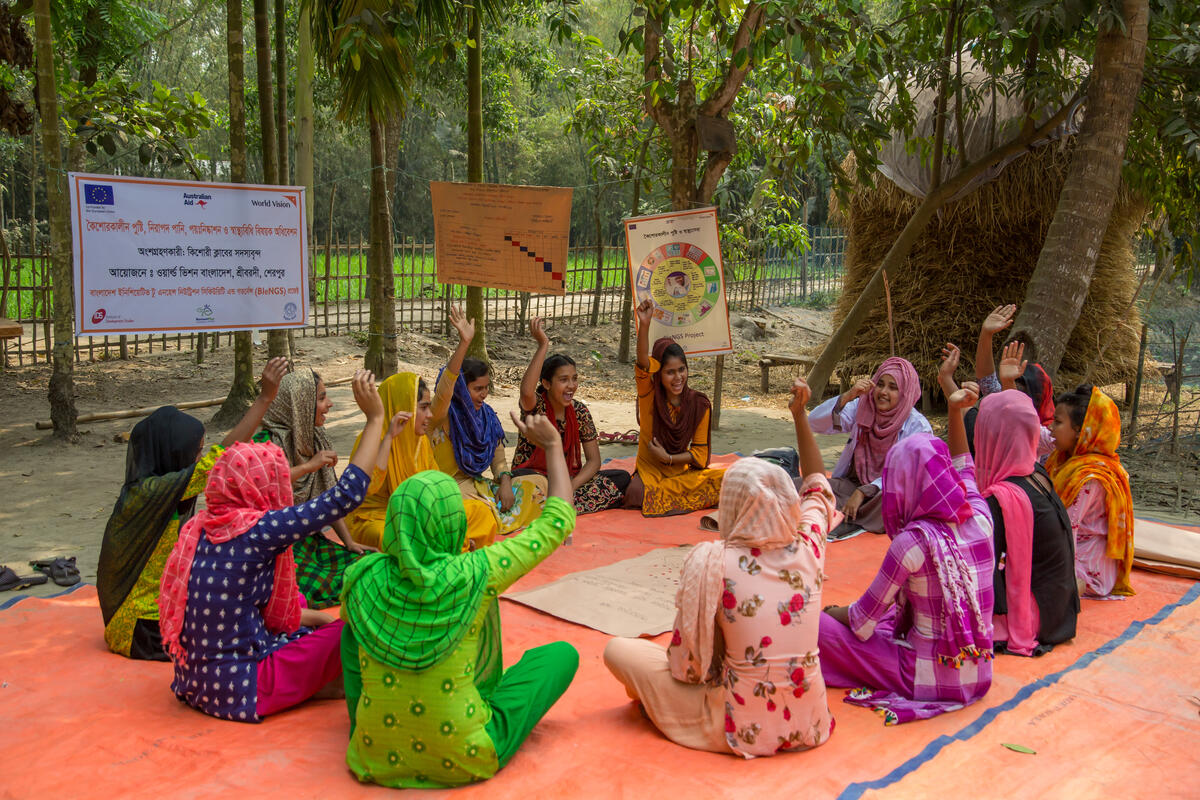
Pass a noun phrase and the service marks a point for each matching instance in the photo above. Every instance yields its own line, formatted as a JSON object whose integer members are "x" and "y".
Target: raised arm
{"x": 367, "y": 398}
{"x": 272, "y": 374}
{"x": 466, "y": 332}
{"x": 958, "y": 403}
{"x": 396, "y": 425}
{"x": 645, "y": 313}
{"x": 950, "y": 358}
{"x": 811, "y": 462}
{"x": 1000, "y": 318}
{"x": 543, "y": 433}
{"x": 533, "y": 373}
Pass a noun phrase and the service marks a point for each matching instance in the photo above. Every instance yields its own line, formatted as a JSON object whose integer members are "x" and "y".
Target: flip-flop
{"x": 61, "y": 570}
{"x": 628, "y": 437}
{"x": 9, "y": 580}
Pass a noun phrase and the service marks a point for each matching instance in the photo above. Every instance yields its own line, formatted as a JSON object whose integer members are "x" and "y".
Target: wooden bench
{"x": 780, "y": 360}
{"x": 8, "y": 330}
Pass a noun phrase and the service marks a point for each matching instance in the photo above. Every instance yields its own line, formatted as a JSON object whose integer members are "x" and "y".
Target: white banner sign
{"x": 675, "y": 260}
{"x": 159, "y": 256}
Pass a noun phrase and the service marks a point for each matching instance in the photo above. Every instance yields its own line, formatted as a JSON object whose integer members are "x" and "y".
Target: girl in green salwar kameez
{"x": 429, "y": 701}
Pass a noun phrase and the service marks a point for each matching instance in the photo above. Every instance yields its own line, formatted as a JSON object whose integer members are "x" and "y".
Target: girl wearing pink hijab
{"x": 876, "y": 413}
{"x": 1036, "y": 597}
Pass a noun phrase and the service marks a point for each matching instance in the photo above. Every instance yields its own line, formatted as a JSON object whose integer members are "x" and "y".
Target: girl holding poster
{"x": 674, "y": 421}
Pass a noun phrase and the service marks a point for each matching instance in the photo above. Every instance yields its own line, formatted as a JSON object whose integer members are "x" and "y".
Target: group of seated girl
{"x": 986, "y": 554}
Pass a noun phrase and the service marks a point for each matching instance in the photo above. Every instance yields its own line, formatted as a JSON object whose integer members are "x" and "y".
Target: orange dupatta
{"x": 1095, "y": 458}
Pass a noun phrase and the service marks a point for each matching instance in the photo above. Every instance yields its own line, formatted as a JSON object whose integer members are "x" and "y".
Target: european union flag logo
{"x": 98, "y": 194}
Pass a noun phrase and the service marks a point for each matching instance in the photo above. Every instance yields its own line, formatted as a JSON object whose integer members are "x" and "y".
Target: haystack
{"x": 978, "y": 253}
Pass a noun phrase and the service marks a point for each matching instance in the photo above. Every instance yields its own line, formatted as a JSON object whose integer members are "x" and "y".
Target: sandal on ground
{"x": 10, "y": 580}
{"x": 628, "y": 437}
{"x": 61, "y": 570}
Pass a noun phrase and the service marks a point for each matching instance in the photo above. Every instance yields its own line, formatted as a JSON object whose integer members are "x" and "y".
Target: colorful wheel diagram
{"x": 683, "y": 282}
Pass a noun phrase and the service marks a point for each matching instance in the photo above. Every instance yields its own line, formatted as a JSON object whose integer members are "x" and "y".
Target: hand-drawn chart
{"x": 675, "y": 261}
{"x": 502, "y": 237}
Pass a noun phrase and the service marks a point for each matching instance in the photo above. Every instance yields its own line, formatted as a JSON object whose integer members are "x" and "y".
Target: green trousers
{"x": 526, "y": 692}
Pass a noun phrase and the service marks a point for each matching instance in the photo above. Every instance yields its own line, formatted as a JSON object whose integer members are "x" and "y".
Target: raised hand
{"x": 950, "y": 358}
{"x": 272, "y": 375}
{"x": 801, "y": 394}
{"x": 964, "y": 398}
{"x": 538, "y": 429}
{"x": 366, "y": 395}
{"x": 1000, "y": 318}
{"x": 397, "y": 424}
{"x": 645, "y": 313}
{"x": 464, "y": 326}
{"x": 1012, "y": 364}
{"x": 537, "y": 329}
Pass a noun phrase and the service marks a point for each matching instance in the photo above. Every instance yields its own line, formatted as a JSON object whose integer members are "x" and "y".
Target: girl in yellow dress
{"x": 468, "y": 439}
{"x": 674, "y": 422}
{"x": 404, "y": 451}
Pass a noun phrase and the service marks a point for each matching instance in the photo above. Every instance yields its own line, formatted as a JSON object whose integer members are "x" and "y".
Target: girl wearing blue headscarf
{"x": 468, "y": 440}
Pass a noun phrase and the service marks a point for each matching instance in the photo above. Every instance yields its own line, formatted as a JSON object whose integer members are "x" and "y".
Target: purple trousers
{"x": 878, "y": 663}
{"x": 299, "y": 669}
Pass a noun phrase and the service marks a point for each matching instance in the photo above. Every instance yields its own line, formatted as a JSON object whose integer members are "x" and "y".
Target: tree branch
{"x": 722, "y": 99}
{"x": 714, "y": 168}
{"x": 660, "y": 110}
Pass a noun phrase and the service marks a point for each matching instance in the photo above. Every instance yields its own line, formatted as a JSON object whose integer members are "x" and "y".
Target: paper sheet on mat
{"x": 1165, "y": 548}
{"x": 635, "y": 597}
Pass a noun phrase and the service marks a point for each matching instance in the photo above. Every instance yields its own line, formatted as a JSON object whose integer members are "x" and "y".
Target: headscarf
{"x": 409, "y": 453}
{"x": 572, "y": 447}
{"x": 879, "y": 430}
{"x": 158, "y": 468}
{"x": 759, "y": 507}
{"x": 410, "y": 605}
{"x": 1041, "y": 390}
{"x": 1095, "y": 458}
{"x": 924, "y": 495}
{"x": 247, "y": 481}
{"x": 675, "y": 433}
{"x": 1006, "y": 446}
{"x": 474, "y": 434}
{"x": 291, "y": 421}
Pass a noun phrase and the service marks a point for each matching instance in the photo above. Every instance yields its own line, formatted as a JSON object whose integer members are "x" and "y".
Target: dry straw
{"x": 977, "y": 253}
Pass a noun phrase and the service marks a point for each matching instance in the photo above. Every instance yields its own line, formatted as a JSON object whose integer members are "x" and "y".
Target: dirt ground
{"x": 60, "y": 494}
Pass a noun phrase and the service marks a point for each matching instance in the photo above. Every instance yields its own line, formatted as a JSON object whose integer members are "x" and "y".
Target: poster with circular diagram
{"x": 675, "y": 260}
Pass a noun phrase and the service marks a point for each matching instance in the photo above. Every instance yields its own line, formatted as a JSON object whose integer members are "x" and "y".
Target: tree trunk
{"x": 277, "y": 343}
{"x": 304, "y": 131}
{"x": 284, "y": 174}
{"x": 627, "y": 299}
{"x": 1063, "y": 274}
{"x": 475, "y": 309}
{"x": 241, "y": 392}
{"x": 380, "y": 357}
{"x": 62, "y": 380}
{"x": 599, "y": 288}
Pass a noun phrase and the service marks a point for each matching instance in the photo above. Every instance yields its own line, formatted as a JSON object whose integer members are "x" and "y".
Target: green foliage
{"x": 160, "y": 125}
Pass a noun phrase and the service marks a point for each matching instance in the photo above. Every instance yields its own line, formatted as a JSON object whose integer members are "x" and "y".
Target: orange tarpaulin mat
{"x": 81, "y": 721}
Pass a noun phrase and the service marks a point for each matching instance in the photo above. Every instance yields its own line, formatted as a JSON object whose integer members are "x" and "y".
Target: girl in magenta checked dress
{"x": 918, "y": 643}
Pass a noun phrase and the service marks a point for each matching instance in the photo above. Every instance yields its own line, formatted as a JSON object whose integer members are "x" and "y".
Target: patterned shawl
{"x": 1041, "y": 390}
{"x": 675, "y": 433}
{"x": 474, "y": 434}
{"x": 158, "y": 468}
{"x": 291, "y": 421}
{"x": 410, "y": 605}
{"x": 246, "y": 482}
{"x": 924, "y": 495}
{"x": 1095, "y": 458}
{"x": 878, "y": 430}
{"x": 1006, "y": 447}
{"x": 759, "y": 507}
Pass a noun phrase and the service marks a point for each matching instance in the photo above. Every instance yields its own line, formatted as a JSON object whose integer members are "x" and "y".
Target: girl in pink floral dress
{"x": 742, "y": 673}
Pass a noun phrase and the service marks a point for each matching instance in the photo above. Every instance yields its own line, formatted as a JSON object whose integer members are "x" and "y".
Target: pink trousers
{"x": 299, "y": 669}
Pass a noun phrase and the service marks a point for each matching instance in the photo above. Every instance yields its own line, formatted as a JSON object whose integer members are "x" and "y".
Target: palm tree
{"x": 369, "y": 46}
